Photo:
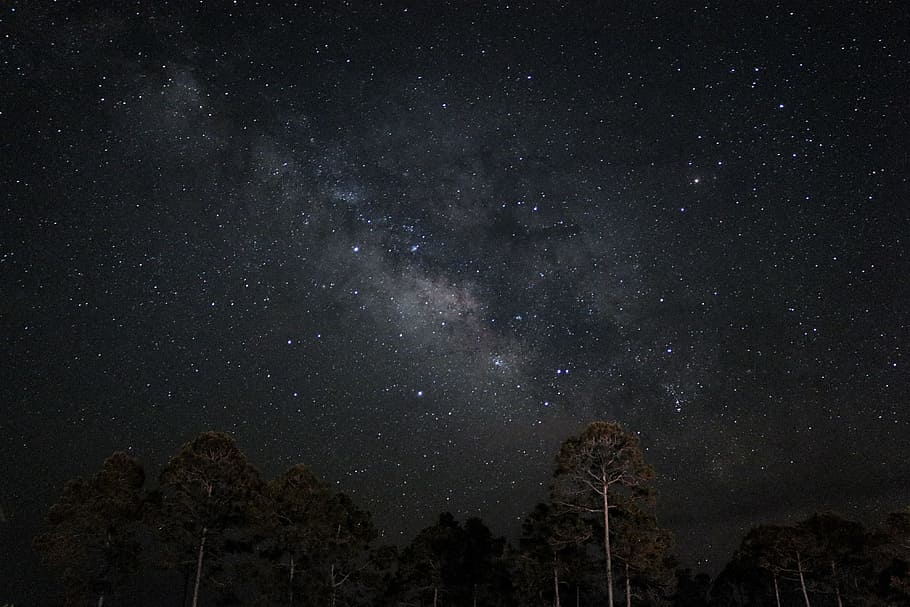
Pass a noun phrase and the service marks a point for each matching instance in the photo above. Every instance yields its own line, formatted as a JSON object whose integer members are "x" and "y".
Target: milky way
{"x": 418, "y": 248}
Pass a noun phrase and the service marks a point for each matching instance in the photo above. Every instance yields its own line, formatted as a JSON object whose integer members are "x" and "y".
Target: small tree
{"x": 642, "y": 549}
{"x": 739, "y": 583}
{"x": 550, "y": 552}
{"x": 347, "y": 552}
{"x": 484, "y": 570}
{"x": 321, "y": 542}
{"x": 426, "y": 567}
{"x": 763, "y": 548}
{"x": 592, "y": 468}
{"x": 94, "y": 530}
{"x": 691, "y": 591}
{"x": 451, "y": 564}
{"x": 783, "y": 552}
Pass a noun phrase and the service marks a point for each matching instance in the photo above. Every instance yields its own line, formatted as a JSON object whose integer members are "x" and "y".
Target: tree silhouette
{"x": 691, "y": 591}
{"x": 550, "y": 550}
{"x": 891, "y": 552}
{"x": 94, "y": 530}
{"x": 592, "y": 468}
{"x": 297, "y": 541}
{"x": 427, "y": 565}
{"x": 453, "y": 564}
{"x": 642, "y": 548}
{"x": 839, "y": 547}
{"x": 784, "y": 552}
{"x": 347, "y": 551}
{"x": 294, "y": 525}
{"x": 739, "y": 583}
{"x": 764, "y": 548}
{"x": 208, "y": 490}
{"x": 483, "y": 568}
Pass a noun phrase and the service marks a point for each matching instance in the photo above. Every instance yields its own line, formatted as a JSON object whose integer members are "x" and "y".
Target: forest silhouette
{"x": 212, "y": 531}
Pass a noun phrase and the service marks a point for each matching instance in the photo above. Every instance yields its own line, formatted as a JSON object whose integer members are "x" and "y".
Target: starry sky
{"x": 417, "y": 245}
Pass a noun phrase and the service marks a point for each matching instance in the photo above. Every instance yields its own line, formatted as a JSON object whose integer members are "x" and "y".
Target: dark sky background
{"x": 417, "y": 245}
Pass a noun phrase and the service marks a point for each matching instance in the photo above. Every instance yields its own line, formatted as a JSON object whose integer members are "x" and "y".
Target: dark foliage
{"x": 93, "y": 537}
{"x": 233, "y": 539}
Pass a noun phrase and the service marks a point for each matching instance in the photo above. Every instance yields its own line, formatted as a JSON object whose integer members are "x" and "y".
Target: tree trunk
{"x": 199, "y": 567}
{"x": 186, "y": 584}
{"x": 776, "y": 589}
{"x": 606, "y": 486}
{"x": 836, "y": 585}
{"x": 802, "y": 579}
{"x": 435, "y": 595}
{"x": 107, "y": 545}
{"x": 290, "y": 579}
{"x": 555, "y": 583}
{"x": 628, "y": 588}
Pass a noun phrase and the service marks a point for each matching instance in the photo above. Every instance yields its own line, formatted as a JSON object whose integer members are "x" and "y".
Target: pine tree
{"x": 208, "y": 491}
{"x": 295, "y": 525}
{"x": 642, "y": 550}
{"x": 346, "y": 559}
{"x": 594, "y": 467}
{"x": 550, "y": 554}
{"x": 839, "y": 549}
{"x": 94, "y": 531}
{"x": 425, "y": 574}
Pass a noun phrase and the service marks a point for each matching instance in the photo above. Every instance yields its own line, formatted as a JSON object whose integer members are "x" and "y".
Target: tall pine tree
{"x": 600, "y": 464}
{"x": 208, "y": 491}
{"x": 94, "y": 531}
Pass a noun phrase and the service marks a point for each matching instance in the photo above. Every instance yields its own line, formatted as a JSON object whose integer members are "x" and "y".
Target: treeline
{"x": 214, "y": 532}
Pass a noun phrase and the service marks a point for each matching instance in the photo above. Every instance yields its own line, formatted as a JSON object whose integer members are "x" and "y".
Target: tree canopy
{"x": 594, "y": 469}
{"x": 224, "y": 536}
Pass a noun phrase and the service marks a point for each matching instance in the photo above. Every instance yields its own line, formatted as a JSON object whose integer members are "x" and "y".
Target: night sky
{"x": 416, "y": 246}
